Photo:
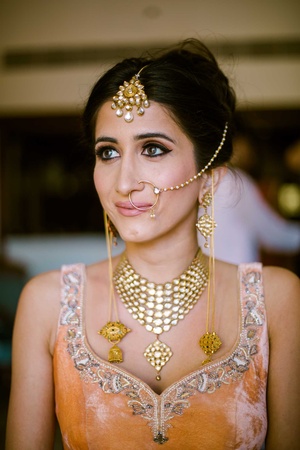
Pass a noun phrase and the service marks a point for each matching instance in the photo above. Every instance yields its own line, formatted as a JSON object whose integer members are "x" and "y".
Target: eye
{"x": 106, "y": 153}
{"x": 153, "y": 150}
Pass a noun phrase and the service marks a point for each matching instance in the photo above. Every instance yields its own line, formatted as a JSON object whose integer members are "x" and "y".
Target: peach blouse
{"x": 222, "y": 405}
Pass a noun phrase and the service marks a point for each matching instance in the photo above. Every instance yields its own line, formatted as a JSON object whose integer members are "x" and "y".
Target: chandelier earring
{"x": 206, "y": 223}
{"x": 210, "y": 341}
{"x": 113, "y": 331}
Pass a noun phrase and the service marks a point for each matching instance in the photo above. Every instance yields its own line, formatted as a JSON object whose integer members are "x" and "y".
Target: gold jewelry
{"x": 112, "y": 331}
{"x": 158, "y": 307}
{"x": 199, "y": 174}
{"x": 206, "y": 223}
{"x": 158, "y": 190}
{"x": 210, "y": 341}
{"x": 130, "y": 94}
{"x": 112, "y": 231}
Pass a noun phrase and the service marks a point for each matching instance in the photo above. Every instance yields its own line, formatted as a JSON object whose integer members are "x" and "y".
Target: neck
{"x": 161, "y": 262}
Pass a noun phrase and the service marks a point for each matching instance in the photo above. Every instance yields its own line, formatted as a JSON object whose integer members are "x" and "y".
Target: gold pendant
{"x": 158, "y": 354}
{"x": 115, "y": 355}
{"x": 114, "y": 332}
{"x": 210, "y": 343}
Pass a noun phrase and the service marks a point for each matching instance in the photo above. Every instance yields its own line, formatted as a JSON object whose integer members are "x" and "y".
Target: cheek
{"x": 182, "y": 200}
{"x": 96, "y": 180}
{"x": 100, "y": 184}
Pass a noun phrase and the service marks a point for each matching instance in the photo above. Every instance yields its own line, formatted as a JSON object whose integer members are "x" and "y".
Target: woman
{"x": 162, "y": 345}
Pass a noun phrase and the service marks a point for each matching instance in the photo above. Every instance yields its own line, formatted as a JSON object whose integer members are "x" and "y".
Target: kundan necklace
{"x": 160, "y": 306}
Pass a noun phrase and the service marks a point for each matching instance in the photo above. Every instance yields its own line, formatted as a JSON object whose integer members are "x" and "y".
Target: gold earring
{"x": 206, "y": 223}
{"x": 112, "y": 231}
{"x": 113, "y": 331}
{"x": 210, "y": 341}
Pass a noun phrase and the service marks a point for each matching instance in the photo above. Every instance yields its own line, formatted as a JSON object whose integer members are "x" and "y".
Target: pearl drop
{"x": 128, "y": 116}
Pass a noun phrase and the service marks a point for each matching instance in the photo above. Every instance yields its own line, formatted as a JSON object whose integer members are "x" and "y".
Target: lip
{"x": 126, "y": 208}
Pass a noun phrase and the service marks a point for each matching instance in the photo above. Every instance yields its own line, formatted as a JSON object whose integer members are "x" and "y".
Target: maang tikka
{"x": 130, "y": 94}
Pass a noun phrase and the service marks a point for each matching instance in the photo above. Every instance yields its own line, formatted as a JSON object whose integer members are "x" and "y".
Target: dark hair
{"x": 187, "y": 80}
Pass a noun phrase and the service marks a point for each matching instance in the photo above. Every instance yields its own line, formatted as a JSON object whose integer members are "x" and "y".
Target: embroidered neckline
{"x": 85, "y": 343}
{"x": 159, "y": 409}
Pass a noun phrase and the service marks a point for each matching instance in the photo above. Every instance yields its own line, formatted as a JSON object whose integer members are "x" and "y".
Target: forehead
{"x": 156, "y": 118}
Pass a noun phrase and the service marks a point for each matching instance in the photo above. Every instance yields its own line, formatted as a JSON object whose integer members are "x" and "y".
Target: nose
{"x": 127, "y": 177}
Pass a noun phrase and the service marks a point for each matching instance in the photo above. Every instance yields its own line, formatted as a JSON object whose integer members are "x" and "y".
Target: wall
{"x": 263, "y": 79}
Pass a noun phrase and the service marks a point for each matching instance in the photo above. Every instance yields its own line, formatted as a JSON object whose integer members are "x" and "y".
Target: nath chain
{"x": 157, "y": 190}
{"x": 199, "y": 174}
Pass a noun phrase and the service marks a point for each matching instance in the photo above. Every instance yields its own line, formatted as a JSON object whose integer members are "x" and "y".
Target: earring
{"x": 210, "y": 341}
{"x": 113, "y": 331}
{"x": 112, "y": 231}
{"x": 206, "y": 223}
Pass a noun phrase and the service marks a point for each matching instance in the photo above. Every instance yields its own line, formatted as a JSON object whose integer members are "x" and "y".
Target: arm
{"x": 31, "y": 417}
{"x": 282, "y": 293}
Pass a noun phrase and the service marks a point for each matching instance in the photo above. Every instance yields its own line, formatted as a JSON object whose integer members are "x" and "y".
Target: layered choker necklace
{"x": 158, "y": 307}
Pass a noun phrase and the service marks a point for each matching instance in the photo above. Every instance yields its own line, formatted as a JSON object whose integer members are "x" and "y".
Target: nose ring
{"x": 156, "y": 192}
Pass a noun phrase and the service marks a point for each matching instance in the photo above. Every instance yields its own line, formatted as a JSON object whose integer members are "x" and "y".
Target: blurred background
{"x": 51, "y": 53}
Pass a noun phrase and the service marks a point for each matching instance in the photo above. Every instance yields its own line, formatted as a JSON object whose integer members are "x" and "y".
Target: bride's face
{"x": 152, "y": 148}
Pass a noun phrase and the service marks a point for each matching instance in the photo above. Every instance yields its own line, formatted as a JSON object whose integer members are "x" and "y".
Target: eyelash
{"x": 101, "y": 150}
{"x": 163, "y": 149}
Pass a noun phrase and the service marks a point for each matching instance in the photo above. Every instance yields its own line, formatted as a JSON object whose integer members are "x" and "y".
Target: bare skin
{"x": 32, "y": 385}
{"x": 159, "y": 250}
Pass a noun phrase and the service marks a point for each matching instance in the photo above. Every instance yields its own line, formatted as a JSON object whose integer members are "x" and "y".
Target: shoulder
{"x": 280, "y": 282}
{"x": 41, "y": 287}
{"x": 282, "y": 297}
{"x": 39, "y": 306}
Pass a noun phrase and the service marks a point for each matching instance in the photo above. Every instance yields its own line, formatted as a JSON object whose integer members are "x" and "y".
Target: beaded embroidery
{"x": 159, "y": 410}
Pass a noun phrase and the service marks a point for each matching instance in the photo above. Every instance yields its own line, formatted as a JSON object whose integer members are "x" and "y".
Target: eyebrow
{"x": 153, "y": 135}
{"x": 136, "y": 138}
{"x": 106, "y": 139}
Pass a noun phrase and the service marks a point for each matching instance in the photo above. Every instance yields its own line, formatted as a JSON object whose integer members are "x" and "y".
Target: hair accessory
{"x": 158, "y": 190}
{"x": 112, "y": 331}
{"x": 210, "y": 341}
{"x": 158, "y": 307}
{"x": 130, "y": 94}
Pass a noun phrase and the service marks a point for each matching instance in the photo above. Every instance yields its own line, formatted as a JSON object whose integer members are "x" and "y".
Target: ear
{"x": 217, "y": 175}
